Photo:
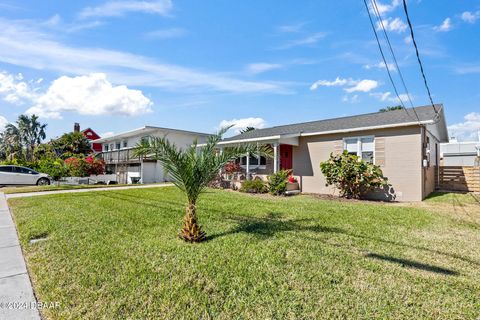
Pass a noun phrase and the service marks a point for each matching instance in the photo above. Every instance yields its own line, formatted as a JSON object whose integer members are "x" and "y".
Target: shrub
{"x": 253, "y": 186}
{"x": 351, "y": 175}
{"x": 232, "y": 167}
{"x": 55, "y": 168}
{"x": 277, "y": 182}
{"x": 84, "y": 167}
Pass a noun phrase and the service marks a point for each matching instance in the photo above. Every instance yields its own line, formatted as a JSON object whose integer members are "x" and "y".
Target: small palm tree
{"x": 191, "y": 170}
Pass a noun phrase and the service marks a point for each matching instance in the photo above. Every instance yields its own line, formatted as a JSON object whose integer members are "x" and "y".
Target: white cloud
{"x": 338, "y": 82}
{"x": 363, "y": 86}
{"x": 386, "y": 8}
{"x": 166, "y": 33}
{"x": 394, "y": 25}
{"x": 380, "y": 65}
{"x": 445, "y": 26}
{"x": 3, "y": 123}
{"x": 14, "y": 89}
{"x": 470, "y": 17}
{"x": 256, "y": 68}
{"x": 89, "y": 95}
{"x": 23, "y": 45}
{"x": 291, "y": 28}
{"x": 308, "y": 40}
{"x": 120, "y": 8}
{"x": 467, "y": 130}
{"x": 387, "y": 96}
{"x": 240, "y": 124}
{"x": 352, "y": 99}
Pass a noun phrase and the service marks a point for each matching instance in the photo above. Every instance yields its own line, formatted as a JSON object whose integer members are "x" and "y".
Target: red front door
{"x": 286, "y": 157}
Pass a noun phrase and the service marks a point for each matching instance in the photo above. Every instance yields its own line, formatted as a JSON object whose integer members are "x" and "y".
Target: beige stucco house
{"x": 404, "y": 143}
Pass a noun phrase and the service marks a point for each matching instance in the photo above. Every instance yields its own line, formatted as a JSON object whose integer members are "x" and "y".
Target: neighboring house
{"x": 117, "y": 152}
{"x": 457, "y": 153}
{"x": 406, "y": 149}
{"x": 90, "y": 135}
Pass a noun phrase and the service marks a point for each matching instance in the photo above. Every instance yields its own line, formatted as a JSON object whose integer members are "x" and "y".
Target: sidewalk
{"x": 17, "y": 300}
{"x": 42, "y": 193}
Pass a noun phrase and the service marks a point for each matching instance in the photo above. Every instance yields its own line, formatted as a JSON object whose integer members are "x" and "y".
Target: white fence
{"x": 100, "y": 179}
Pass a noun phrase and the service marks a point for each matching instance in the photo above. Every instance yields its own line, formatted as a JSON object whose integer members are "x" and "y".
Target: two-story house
{"x": 117, "y": 152}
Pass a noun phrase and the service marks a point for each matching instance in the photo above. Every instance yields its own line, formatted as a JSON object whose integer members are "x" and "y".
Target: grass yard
{"x": 11, "y": 190}
{"x": 115, "y": 255}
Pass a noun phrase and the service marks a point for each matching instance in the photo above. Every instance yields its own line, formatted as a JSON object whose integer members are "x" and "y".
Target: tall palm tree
{"x": 11, "y": 141}
{"x": 32, "y": 132}
{"x": 192, "y": 169}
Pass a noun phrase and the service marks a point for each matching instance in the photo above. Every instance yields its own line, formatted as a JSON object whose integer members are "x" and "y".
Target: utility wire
{"x": 382, "y": 25}
{"x": 382, "y": 54}
{"x": 418, "y": 55}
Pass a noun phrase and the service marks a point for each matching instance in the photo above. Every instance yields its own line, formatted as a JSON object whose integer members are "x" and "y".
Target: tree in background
{"x": 72, "y": 144}
{"x": 391, "y": 108}
{"x": 19, "y": 140}
{"x": 10, "y": 143}
{"x": 32, "y": 133}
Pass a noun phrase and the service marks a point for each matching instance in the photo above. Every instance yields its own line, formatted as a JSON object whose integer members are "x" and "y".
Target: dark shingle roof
{"x": 425, "y": 113}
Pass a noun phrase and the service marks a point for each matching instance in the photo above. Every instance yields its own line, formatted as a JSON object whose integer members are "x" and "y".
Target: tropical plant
{"x": 351, "y": 175}
{"x": 84, "y": 167}
{"x": 192, "y": 169}
{"x": 277, "y": 182}
{"x": 32, "y": 132}
{"x": 247, "y": 129}
{"x": 253, "y": 186}
{"x": 10, "y": 142}
{"x": 72, "y": 143}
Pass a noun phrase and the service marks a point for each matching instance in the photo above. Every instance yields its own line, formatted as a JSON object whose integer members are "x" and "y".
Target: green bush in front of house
{"x": 253, "y": 186}
{"x": 277, "y": 182}
{"x": 351, "y": 175}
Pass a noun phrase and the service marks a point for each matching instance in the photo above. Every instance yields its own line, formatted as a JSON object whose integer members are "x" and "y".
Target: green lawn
{"x": 10, "y": 190}
{"x": 115, "y": 255}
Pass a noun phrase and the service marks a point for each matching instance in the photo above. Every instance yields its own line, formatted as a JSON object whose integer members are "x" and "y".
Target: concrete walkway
{"x": 17, "y": 300}
{"x": 42, "y": 193}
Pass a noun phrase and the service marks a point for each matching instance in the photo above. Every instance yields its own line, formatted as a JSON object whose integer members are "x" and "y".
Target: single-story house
{"x": 460, "y": 153}
{"x": 117, "y": 152}
{"x": 404, "y": 143}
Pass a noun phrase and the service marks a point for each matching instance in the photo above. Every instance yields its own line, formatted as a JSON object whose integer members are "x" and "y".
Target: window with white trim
{"x": 254, "y": 162}
{"x": 364, "y": 147}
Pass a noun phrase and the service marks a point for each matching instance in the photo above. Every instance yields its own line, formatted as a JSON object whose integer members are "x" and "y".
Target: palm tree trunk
{"x": 191, "y": 231}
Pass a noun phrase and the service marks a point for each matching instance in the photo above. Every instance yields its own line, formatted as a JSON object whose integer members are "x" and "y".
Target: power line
{"x": 380, "y": 21}
{"x": 382, "y": 54}
{"x": 418, "y": 55}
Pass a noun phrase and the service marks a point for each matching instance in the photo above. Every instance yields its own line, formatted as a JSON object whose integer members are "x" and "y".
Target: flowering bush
{"x": 232, "y": 167}
{"x": 351, "y": 175}
{"x": 84, "y": 167}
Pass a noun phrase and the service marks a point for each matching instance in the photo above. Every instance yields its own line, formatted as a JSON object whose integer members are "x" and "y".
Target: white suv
{"x": 15, "y": 175}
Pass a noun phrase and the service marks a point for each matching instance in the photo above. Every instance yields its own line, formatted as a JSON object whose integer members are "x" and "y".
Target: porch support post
{"x": 248, "y": 167}
{"x": 275, "y": 157}
{"x": 220, "y": 152}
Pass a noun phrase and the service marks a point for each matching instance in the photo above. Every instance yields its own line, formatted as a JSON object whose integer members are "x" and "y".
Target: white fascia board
{"x": 249, "y": 140}
{"x": 403, "y": 124}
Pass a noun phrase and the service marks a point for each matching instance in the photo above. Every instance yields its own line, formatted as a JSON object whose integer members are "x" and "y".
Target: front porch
{"x": 258, "y": 167}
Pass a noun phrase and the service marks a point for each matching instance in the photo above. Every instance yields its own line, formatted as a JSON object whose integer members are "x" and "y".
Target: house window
{"x": 125, "y": 143}
{"x": 145, "y": 139}
{"x": 117, "y": 146}
{"x": 361, "y": 146}
{"x": 105, "y": 147}
{"x": 255, "y": 162}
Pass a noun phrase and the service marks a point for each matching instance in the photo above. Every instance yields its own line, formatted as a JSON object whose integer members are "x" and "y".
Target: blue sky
{"x": 118, "y": 65}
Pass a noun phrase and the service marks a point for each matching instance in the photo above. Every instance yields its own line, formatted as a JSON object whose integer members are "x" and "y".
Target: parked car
{"x": 16, "y": 175}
